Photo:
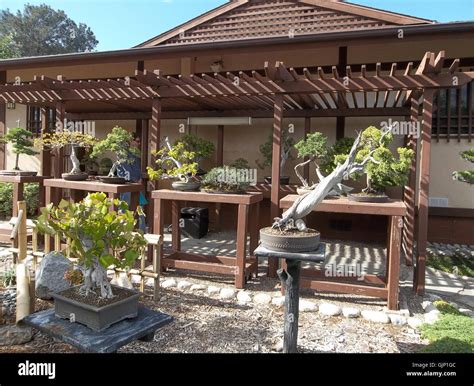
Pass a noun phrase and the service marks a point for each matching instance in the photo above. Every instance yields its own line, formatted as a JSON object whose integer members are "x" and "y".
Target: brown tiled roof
{"x": 259, "y": 19}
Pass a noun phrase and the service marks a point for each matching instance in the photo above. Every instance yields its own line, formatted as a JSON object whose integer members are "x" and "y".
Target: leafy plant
{"x": 8, "y": 277}
{"x": 201, "y": 148}
{"x": 119, "y": 142}
{"x": 314, "y": 147}
{"x": 240, "y": 163}
{"x": 226, "y": 179}
{"x": 31, "y": 196}
{"x": 266, "y": 149}
{"x": 466, "y": 176}
{"x": 336, "y": 154}
{"x": 58, "y": 140}
{"x": 20, "y": 139}
{"x": 98, "y": 236}
{"x": 382, "y": 168}
{"x": 175, "y": 161}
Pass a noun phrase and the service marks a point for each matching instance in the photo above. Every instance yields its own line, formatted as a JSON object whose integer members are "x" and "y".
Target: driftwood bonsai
{"x": 97, "y": 236}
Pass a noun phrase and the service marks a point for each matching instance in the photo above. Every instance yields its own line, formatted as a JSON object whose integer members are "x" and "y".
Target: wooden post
{"x": 241, "y": 245}
{"x": 290, "y": 280}
{"x": 155, "y": 127}
{"x": 307, "y": 130}
{"x": 22, "y": 232}
{"x": 144, "y": 143}
{"x": 58, "y": 157}
{"x": 340, "y": 127}
{"x": 18, "y": 189}
{"x": 409, "y": 194}
{"x": 3, "y": 125}
{"x": 45, "y": 156}
{"x": 220, "y": 146}
{"x": 276, "y": 157}
{"x": 393, "y": 261}
{"x": 423, "y": 194}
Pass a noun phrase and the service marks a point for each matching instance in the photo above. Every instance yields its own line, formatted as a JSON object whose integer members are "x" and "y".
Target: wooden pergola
{"x": 276, "y": 91}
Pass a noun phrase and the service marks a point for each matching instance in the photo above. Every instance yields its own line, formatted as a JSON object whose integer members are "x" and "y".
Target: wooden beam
{"x": 423, "y": 194}
{"x": 409, "y": 193}
{"x": 220, "y": 146}
{"x": 276, "y": 172}
{"x": 154, "y": 134}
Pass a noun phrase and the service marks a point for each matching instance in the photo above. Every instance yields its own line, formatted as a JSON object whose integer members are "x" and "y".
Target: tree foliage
{"x": 22, "y": 144}
{"x": 336, "y": 154}
{"x": 313, "y": 146}
{"x": 111, "y": 232}
{"x": 41, "y": 30}
{"x": 201, "y": 147}
{"x": 58, "y": 140}
{"x": 119, "y": 142}
{"x": 466, "y": 176}
{"x": 7, "y": 49}
{"x": 266, "y": 149}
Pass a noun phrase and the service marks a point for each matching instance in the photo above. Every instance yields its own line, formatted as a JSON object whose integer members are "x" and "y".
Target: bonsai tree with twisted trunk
{"x": 98, "y": 236}
{"x": 118, "y": 142}
{"x": 20, "y": 139}
{"x": 58, "y": 140}
{"x": 314, "y": 147}
{"x": 466, "y": 176}
{"x": 266, "y": 149}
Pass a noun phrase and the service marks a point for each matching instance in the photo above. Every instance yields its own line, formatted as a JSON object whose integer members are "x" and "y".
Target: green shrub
{"x": 456, "y": 264}
{"x": 31, "y": 194}
{"x": 226, "y": 179}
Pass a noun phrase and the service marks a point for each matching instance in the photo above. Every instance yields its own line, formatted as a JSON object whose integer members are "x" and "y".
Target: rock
{"x": 213, "y": 290}
{"x": 262, "y": 299}
{"x": 466, "y": 311}
{"x": 397, "y": 320}
{"x": 351, "y": 312}
{"x": 50, "y": 275}
{"x": 244, "y": 297}
{"x": 122, "y": 280}
{"x": 169, "y": 283}
{"x": 227, "y": 293}
{"x": 150, "y": 282}
{"x": 328, "y": 309}
{"x": 375, "y": 316}
{"x": 432, "y": 316}
{"x": 184, "y": 285}
{"x": 12, "y": 334}
{"x": 307, "y": 306}
{"x": 455, "y": 305}
{"x": 278, "y": 301}
{"x": 136, "y": 279}
{"x": 198, "y": 287}
{"x": 414, "y": 323}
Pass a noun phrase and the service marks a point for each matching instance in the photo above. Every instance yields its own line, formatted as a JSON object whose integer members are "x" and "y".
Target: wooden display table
{"x": 18, "y": 188}
{"x": 382, "y": 286}
{"x": 54, "y": 187}
{"x": 240, "y": 266}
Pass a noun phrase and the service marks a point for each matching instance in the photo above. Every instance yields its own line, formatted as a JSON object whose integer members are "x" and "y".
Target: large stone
{"x": 307, "y": 306}
{"x": 50, "y": 275}
{"x": 227, "y": 293}
{"x": 328, "y": 309}
{"x": 278, "y": 301}
{"x": 184, "y": 285}
{"x": 12, "y": 334}
{"x": 432, "y": 316}
{"x": 198, "y": 287}
{"x": 244, "y": 297}
{"x": 122, "y": 280}
{"x": 414, "y": 323}
{"x": 397, "y": 320}
{"x": 169, "y": 283}
{"x": 213, "y": 290}
{"x": 351, "y": 312}
{"x": 262, "y": 299}
{"x": 375, "y": 316}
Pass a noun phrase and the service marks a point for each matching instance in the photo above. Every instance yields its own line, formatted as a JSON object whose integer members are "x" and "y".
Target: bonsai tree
{"x": 336, "y": 154}
{"x": 240, "y": 163}
{"x": 466, "y": 176}
{"x": 20, "y": 139}
{"x": 119, "y": 142}
{"x": 201, "y": 148}
{"x": 98, "y": 237}
{"x": 382, "y": 168}
{"x": 61, "y": 139}
{"x": 266, "y": 149}
{"x": 226, "y": 179}
{"x": 314, "y": 147}
{"x": 174, "y": 162}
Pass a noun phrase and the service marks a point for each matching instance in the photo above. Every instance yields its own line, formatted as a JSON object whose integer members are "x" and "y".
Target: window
{"x": 33, "y": 121}
{"x": 453, "y": 118}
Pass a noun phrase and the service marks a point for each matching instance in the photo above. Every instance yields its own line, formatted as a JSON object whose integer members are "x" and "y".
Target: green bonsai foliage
{"x": 266, "y": 149}
{"x": 382, "y": 168}
{"x": 314, "y": 147}
{"x": 202, "y": 148}
{"x": 227, "y": 179}
{"x": 466, "y": 176}
{"x": 119, "y": 142}
{"x": 63, "y": 138}
{"x": 97, "y": 235}
{"x": 20, "y": 139}
{"x": 336, "y": 154}
{"x": 173, "y": 162}
{"x": 240, "y": 163}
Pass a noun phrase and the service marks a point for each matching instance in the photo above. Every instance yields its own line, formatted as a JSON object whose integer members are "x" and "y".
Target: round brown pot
{"x": 290, "y": 241}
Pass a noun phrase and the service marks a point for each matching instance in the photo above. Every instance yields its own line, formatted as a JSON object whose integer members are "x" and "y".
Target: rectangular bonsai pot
{"x": 97, "y": 318}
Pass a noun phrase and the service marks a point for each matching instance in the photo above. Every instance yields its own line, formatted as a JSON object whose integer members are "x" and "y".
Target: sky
{"x": 121, "y": 24}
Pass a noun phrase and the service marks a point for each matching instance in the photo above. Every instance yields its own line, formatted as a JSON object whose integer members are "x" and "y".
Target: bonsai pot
{"x": 98, "y": 316}
{"x": 364, "y": 197}
{"x": 217, "y": 191}
{"x": 186, "y": 186}
{"x": 113, "y": 180}
{"x": 292, "y": 241}
{"x": 17, "y": 173}
{"x": 284, "y": 180}
{"x": 74, "y": 176}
